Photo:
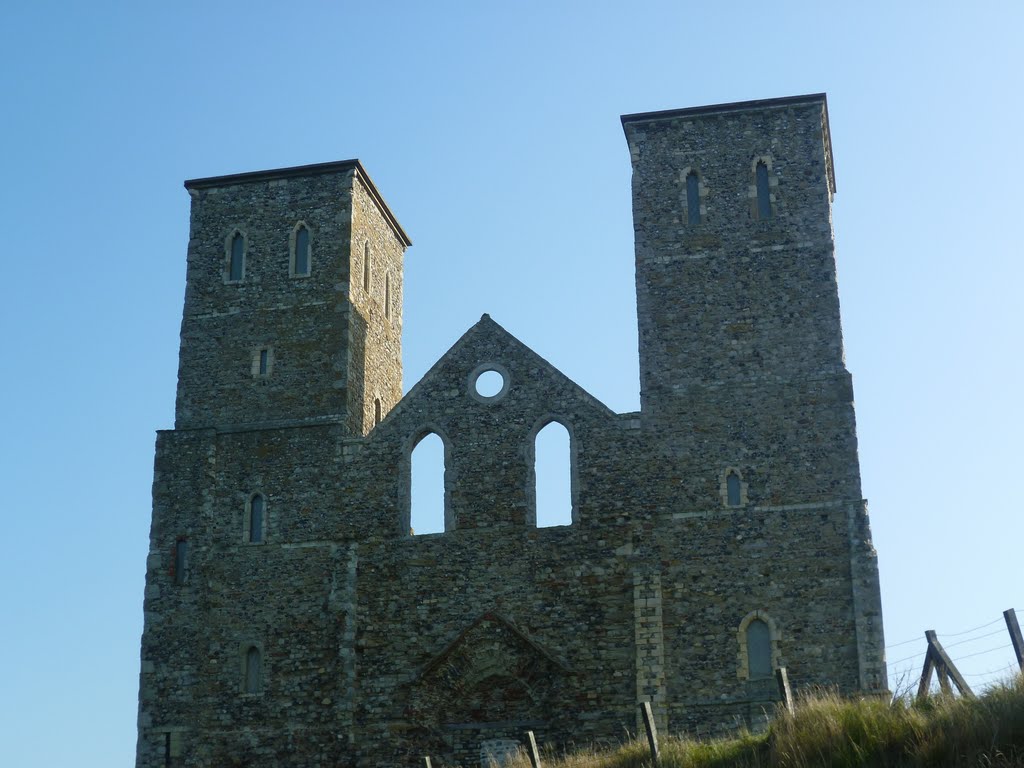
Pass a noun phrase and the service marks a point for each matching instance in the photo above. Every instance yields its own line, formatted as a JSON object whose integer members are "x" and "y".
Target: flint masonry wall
{"x": 741, "y": 346}
{"x": 376, "y": 647}
{"x": 375, "y": 331}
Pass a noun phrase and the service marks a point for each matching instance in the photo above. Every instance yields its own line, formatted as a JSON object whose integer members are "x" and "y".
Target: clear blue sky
{"x": 492, "y": 130}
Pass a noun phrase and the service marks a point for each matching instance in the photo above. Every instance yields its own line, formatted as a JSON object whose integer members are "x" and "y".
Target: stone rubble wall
{"x": 377, "y": 646}
{"x": 303, "y": 320}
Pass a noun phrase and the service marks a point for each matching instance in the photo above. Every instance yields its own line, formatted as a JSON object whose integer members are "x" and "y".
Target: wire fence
{"x": 990, "y": 662}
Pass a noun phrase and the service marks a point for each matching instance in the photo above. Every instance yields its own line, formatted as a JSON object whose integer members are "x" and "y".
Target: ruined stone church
{"x": 292, "y": 618}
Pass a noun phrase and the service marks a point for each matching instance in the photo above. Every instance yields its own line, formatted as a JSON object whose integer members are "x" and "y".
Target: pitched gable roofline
{"x": 486, "y": 325}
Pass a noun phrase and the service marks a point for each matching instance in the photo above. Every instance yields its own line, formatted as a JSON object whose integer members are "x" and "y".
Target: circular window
{"x": 488, "y": 383}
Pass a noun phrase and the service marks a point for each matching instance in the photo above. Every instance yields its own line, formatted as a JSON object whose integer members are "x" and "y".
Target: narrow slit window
{"x": 264, "y": 361}
{"x": 376, "y": 411}
{"x": 172, "y": 748}
{"x": 732, "y": 489}
{"x": 257, "y": 508}
{"x": 764, "y": 202}
{"x": 366, "y": 267}
{"x": 759, "y": 650}
{"x": 302, "y": 251}
{"x": 253, "y": 670}
{"x": 181, "y": 561}
{"x": 387, "y": 295}
{"x": 237, "y": 263}
{"x": 692, "y": 198}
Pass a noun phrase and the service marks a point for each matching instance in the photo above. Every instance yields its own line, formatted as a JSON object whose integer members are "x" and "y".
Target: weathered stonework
{"x": 334, "y": 637}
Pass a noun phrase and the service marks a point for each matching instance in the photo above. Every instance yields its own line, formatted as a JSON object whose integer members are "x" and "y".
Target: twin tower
{"x": 718, "y": 534}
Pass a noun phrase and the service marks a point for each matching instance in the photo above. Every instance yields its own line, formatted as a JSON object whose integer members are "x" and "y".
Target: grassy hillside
{"x": 830, "y": 732}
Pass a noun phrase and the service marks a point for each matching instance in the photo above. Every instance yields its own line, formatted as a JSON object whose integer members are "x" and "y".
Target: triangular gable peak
{"x": 491, "y": 672}
{"x": 489, "y": 435}
{"x": 489, "y": 343}
{"x": 491, "y": 625}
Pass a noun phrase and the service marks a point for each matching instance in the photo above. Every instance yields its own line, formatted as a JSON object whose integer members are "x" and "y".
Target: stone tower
{"x": 744, "y": 388}
{"x": 295, "y": 314}
{"x": 741, "y": 352}
{"x": 290, "y": 345}
{"x": 293, "y": 619}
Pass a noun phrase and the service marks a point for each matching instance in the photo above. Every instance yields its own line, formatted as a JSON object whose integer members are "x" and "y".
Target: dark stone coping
{"x": 740, "y": 106}
{"x": 316, "y": 169}
{"x": 227, "y": 429}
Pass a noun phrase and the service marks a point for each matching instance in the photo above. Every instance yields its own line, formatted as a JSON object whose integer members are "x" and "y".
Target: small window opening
{"x": 256, "y": 511}
{"x": 264, "y": 361}
{"x": 764, "y": 203}
{"x": 366, "y": 267}
{"x": 759, "y": 650}
{"x": 172, "y": 748}
{"x": 302, "y": 251}
{"x": 489, "y": 384}
{"x": 237, "y": 264}
{"x": 387, "y": 295}
{"x": 253, "y": 670}
{"x": 692, "y": 198}
{"x": 181, "y": 561}
{"x": 552, "y": 470}
{"x": 376, "y": 411}
{"x": 732, "y": 489}
{"x": 427, "y": 492}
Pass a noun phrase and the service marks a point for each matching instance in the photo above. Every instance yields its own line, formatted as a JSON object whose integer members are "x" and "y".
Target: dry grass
{"x": 828, "y": 731}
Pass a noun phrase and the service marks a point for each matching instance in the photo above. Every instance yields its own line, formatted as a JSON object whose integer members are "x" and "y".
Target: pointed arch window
{"x": 759, "y": 650}
{"x": 256, "y": 519}
{"x": 253, "y": 670}
{"x": 236, "y": 258}
{"x": 366, "y": 267}
{"x": 428, "y": 498}
{"x": 300, "y": 256}
{"x": 552, "y": 472}
{"x": 692, "y": 198}
{"x": 733, "y": 490}
{"x": 764, "y": 200}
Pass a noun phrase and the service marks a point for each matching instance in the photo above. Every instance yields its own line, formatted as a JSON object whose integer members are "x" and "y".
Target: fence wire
{"x": 904, "y": 668}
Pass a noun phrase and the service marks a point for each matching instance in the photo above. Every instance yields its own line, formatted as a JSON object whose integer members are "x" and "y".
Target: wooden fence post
{"x": 531, "y": 747}
{"x": 782, "y": 678}
{"x": 936, "y": 659}
{"x": 1010, "y": 616}
{"x": 652, "y": 730}
{"x": 926, "y": 672}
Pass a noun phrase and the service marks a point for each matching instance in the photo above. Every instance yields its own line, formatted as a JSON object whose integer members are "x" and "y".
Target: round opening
{"x": 489, "y": 384}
